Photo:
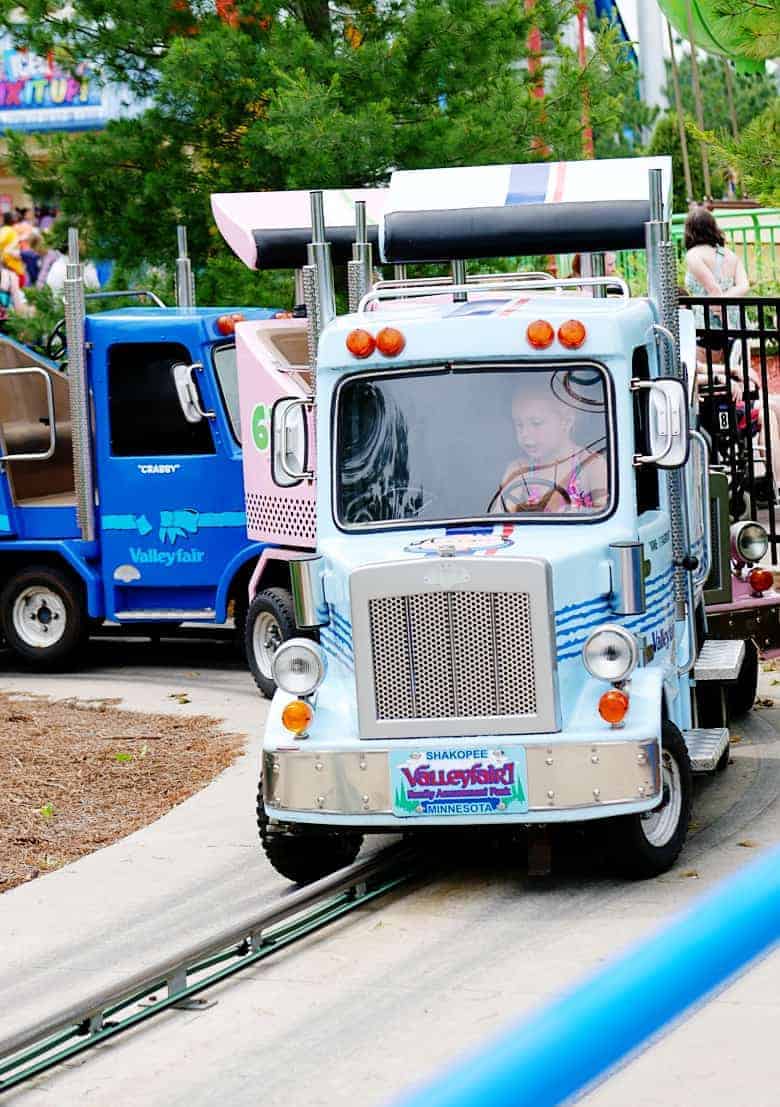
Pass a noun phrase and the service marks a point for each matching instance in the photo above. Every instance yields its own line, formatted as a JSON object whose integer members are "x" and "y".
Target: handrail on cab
{"x": 135, "y": 293}
{"x": 408, "y": 290}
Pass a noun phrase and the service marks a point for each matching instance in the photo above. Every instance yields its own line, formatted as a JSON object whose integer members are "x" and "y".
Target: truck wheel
{"x": 306, "y": 855}
{"x": 269, "y": 622}
{"x": 42, "y": 616}
{"x": 741, "y": 695}
{"x": 649, "y": 844}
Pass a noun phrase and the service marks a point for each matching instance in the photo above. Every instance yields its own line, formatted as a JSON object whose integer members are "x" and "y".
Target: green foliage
{"x": 752, "y": 91}
{"x": 47, "y": 811}
{"x": 755, "y": 154}
{"x": 300, "y": 95}
{"x": 666, "y": 140}
{"x": 752, "y": 27}
{"x": 35, "y": 329}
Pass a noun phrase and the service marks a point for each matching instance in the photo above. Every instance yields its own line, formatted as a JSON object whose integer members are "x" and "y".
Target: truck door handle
{"x": 195, "y": 392}
{"x": 188, "y": 392}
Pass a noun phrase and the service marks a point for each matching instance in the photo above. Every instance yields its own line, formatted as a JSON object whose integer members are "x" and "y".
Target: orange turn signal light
{"x": 390, "y": 342}
{"x": 226, "y": 324}
{"x": 613, "y": 706}
{"x": 360, "y": 343}
{"x": 572, "y": 334}
{"x": 297, "y": 716}
{"x": 540, "y": 334}
{"x": 760, "y": 580}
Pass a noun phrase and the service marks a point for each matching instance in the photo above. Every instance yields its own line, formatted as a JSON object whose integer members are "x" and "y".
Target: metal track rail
{"x": 182, "y": 976}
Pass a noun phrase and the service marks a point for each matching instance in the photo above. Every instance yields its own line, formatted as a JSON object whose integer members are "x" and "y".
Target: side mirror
{"x": 187, "y": 393}
{"x": 668, "y": 429}
{"x": 290, "y": 442}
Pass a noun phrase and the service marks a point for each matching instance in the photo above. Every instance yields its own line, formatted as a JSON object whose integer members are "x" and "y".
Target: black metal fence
{"x": 738, "y": 370}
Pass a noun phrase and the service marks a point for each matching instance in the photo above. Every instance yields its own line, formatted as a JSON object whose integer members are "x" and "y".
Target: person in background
{"x": 23, "y": 226}
{"x": 30, "y": 249}
{"x": 712, "y": 269}
{"x": 55, "y": 277}
{"x": 12, "y": 299}
{"x": 46, "y": 219}
{"x": 610, "y": 269}
{"x": 9, "y": 248}
{"x": 47, "y": 255}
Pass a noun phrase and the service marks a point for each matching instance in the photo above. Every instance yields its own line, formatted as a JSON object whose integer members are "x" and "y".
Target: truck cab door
{"x": 170, "y": 483}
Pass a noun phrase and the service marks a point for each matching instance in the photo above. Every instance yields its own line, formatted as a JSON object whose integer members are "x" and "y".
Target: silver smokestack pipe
{"x": 79, "y": 389}
{"x": 185, "y": 281}
{"x": 360, "y": 269}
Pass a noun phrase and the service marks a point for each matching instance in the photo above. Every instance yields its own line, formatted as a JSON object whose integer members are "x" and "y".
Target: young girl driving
{"x": 554, "y": 474}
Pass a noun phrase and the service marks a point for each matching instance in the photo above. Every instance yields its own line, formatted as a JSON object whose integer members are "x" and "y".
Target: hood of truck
{"x": 576, "y": 594}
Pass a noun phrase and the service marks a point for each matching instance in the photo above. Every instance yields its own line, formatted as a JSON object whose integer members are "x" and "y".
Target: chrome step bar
{"x": 706, "y": 746}
{"x": 719, "y": 660}
{"x": 159, "y": 614}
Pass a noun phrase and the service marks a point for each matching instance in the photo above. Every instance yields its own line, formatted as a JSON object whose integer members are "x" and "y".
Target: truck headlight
{"x": 749, "y": 541}
{"x": 299, "y": 667}
{"x": 611, "y": 653}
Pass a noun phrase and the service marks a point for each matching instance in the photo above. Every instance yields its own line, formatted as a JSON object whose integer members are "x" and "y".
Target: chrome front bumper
{"x": 576, "y": 777}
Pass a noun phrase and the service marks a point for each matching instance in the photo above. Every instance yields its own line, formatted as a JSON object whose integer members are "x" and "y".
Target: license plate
{"x": 484, "y": 780}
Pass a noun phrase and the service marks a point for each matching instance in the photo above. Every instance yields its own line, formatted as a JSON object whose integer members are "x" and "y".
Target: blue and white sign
{"x": 36, "y": 94}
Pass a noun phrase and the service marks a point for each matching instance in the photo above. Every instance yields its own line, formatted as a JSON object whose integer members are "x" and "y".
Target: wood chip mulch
{"x": 76, "y": 775}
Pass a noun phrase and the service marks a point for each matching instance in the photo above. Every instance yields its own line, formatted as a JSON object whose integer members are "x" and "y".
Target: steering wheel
{"x": 56, "y": 344}
{"x": 363, "y": 509}
{"x": 540, "y": 503}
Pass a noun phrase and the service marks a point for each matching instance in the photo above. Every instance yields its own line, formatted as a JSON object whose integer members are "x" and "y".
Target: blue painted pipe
{"x": 547, "y": 1057}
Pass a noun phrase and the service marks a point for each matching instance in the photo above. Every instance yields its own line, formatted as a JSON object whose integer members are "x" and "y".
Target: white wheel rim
{"x": 660, "y": 825}
{"x": 266, "y": 640}
{"x": 39, "y": 617}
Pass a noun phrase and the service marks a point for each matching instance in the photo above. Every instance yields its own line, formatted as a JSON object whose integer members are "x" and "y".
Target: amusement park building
{"x": 37, "y": 96}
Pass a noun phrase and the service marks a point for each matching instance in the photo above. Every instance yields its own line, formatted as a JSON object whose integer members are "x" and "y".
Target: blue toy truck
{"x": 121, "y": 491}
{"x": 513, "y": 530}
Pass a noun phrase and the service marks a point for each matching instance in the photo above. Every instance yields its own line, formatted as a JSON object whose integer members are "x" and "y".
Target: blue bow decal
{"x": 127, "y": 522}
{"x": 178, "y": 524}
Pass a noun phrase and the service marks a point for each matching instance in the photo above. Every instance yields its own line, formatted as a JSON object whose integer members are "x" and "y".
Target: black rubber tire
{"x": 741, "y": 695}
{"x": 635, "y": 855}
{"x": 278, "y": 603}
{"x": 307, "y": 854}
{"x": 71, "y": 593}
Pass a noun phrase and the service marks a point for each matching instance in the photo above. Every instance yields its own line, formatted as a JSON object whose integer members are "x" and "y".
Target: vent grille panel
{"x": 431, "y": 655}
{"x": 474, "y": 653}
{"x": 515, "y": 647}
{"x": 392, "y": 686}
{"x": 282, "y": 518}
{"x": 447, "y": 655}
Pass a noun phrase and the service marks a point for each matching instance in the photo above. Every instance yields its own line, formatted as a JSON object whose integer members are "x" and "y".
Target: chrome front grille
{"x": 436, "y": 655}
{"x": 457, "y": 647}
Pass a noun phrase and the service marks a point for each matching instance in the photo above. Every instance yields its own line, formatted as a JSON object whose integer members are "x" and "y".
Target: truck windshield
{"x": 440, "y": 445}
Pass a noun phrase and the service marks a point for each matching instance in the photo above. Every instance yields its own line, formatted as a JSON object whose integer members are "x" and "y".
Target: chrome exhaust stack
{"x": 79, "y": 390}
{"x": 662, "y": 292}
{"x": 360, "y": 269}
{"x": 185, "y": 281}
{"x": 318, "y": 286}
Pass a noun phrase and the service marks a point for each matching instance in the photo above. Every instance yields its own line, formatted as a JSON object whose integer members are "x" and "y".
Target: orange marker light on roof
{"x": 226, "y": 324}
{"x": 390, "y": 342}
{"x": 360, "y": 343}
{"x": 613, "y": 706}
{"x": 572, "y": 334}
{"x": 540, "y": 334}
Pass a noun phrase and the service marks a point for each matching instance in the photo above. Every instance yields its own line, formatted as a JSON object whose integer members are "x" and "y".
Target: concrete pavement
{"x": 387, "y": 996}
